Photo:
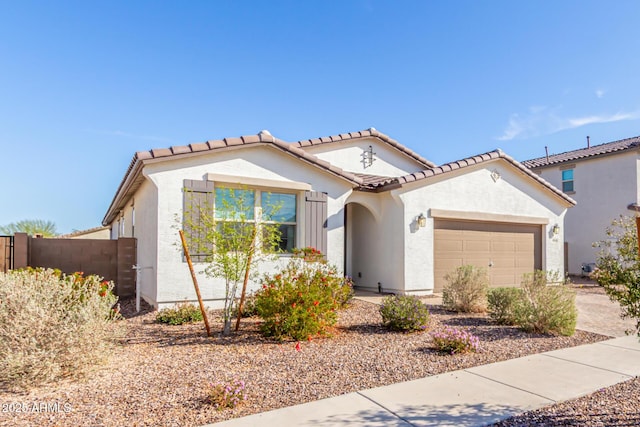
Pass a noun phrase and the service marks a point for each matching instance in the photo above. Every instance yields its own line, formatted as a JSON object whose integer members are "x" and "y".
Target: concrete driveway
{"x": 596, "y": 312}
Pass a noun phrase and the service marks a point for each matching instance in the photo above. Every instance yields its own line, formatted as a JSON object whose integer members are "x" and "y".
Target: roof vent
{"x": 264, "y": 132}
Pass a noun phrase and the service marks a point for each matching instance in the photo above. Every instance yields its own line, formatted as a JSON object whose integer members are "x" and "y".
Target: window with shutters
{"x": 236, "y": 211}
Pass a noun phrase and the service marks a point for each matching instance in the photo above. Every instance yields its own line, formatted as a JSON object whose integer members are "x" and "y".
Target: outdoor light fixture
{"x": 555, "y": 230}
{"x": 422, "y": 221}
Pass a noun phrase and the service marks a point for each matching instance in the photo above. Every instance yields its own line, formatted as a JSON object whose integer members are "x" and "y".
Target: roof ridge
{"x": 584, "y": 152}
{"x": 370, "y": 132}
{"x": 264, "y": 138}
{"x": 470, "y": 161}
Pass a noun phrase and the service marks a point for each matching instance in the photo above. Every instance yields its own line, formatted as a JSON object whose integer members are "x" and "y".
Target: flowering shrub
{"x": 182, "y": 313}
{"x": 309, "y": 254}
{"x": 226, "y": 395}
{"x": 466, "y": 290}
{"x": 451, "y": 340}
{"x": 301, "y": 301}
{"x": 404, "y": 313}
{"x": 54, "y": 325}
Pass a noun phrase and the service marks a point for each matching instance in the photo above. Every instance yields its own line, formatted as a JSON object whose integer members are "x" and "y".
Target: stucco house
{"x": 604, "y": 181}
{"x": 381, "y": 213}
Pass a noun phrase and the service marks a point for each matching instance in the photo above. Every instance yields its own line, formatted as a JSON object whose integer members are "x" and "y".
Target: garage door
{"x": 506, "y": 250}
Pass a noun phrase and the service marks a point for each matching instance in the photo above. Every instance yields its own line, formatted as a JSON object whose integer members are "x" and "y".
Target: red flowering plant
{"x": 302, "y": 300}
{"x": 309, "y": 254}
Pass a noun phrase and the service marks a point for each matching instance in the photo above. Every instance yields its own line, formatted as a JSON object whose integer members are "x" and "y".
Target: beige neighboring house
{"x": 604, "y": 181}
{"x": 381, "y": 213}
{"x": 101, "y": 232}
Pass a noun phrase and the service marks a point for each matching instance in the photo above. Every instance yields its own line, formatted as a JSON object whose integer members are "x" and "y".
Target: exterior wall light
{"x": 555, "y": 230}
{"x": 422, "y": 221}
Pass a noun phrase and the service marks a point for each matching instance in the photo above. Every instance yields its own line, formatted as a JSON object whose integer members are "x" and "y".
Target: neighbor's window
{"x": 280, "y": 208}
{"x": 567, "y": 181}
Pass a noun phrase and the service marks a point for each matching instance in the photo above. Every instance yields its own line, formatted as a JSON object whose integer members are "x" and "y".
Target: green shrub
{"x": 54, "y": 325}
{"x": 301, "y": 301}
{"x": 546, "y": 308}
{"x": 224, "y": 395}
{"x": 248, "y": 308}
{"x": 404, "y": 313}
{"x": 452, "y": 340}
{"x": 182, "y": 313}
{"x": 466, "y": 290}
{"x": 618, "y": 267}
{"x": 503, "y": 304}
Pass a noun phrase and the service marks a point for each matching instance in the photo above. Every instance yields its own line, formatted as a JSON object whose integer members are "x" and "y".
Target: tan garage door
{"x": 506, "y": 250}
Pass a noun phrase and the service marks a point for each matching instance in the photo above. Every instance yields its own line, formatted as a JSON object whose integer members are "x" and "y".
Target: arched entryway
{"x": 363, "y": 238}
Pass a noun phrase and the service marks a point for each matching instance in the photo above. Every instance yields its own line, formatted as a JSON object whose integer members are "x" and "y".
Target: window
{"x": 280, "y": 208}
{"x": 567, "y": 181}
{"x": 235, "y": 206}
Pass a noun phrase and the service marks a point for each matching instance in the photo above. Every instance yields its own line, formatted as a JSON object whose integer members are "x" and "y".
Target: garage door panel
{"x": 503, "y": 246}
{"x": 512, "y": 249}
{"x": 449, "y": 245}
{"x": 477, "y": 246}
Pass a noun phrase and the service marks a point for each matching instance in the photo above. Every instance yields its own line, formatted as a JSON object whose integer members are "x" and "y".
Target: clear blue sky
{"x": 83, "y": 85}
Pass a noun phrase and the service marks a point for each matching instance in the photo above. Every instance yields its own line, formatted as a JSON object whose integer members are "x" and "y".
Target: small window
{"x": 280, "y": 208}
{"x": 567, "y": 181}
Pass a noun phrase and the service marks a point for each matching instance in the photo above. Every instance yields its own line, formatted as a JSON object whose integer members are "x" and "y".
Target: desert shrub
{"x": 182, "y": 313}
{"x": 546, "y": 308}
{"x": 503, "y": 304}
{"x": 404, "y": 313}
{"x": 452, "y": 340}
{"x": 224, "y": 395}
{"x": 54, "y": 325}
{"x": 618, "y": 267}
{"x": 466, "y": 290}
{"x": 301, "y": 301}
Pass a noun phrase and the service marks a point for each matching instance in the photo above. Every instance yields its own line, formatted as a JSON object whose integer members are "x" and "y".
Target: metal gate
{"x": 6, "y": 253}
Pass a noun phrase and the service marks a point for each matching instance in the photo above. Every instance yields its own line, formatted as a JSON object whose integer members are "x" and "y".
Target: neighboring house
{"x": 381, "y": 213}
{"x": 102, "y": 232}
{"x": 603, "y": 180}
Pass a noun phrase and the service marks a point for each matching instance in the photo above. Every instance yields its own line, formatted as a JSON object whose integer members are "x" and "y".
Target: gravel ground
{"x": 157, "y": 376}
{"x": 618, "y": 405}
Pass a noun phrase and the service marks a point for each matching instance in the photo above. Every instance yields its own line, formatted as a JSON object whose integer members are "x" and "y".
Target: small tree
{"x": 234, "y": 237}
{"x": 31, "y": 227}
{"x": 618, "y": 266}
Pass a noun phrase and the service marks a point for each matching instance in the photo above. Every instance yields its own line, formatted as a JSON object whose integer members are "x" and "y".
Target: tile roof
{"x": 82, "y": 232}
{"x": 367, "y": 133}
{"x": 583, "y": 153}
{"x": 132, "y": 178}
{"x": 375, "y": 180}
{"x": 372, "y": 185}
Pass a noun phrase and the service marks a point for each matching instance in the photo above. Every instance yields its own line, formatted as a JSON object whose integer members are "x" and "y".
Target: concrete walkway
{"x": 485, "y": 394}
{"x": 470, "y": 397}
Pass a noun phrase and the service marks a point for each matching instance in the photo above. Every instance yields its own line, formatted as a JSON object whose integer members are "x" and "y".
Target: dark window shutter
{"x": 315, "y": 224}
{"x": 197, "y": 202}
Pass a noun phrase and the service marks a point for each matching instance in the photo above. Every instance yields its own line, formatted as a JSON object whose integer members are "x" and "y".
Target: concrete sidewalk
{"x": 470, "y": 397}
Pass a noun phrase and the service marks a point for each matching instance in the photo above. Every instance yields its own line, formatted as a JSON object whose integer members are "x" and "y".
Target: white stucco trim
{"x": 258, "y": 182}
{"x": 484, "y": 216}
